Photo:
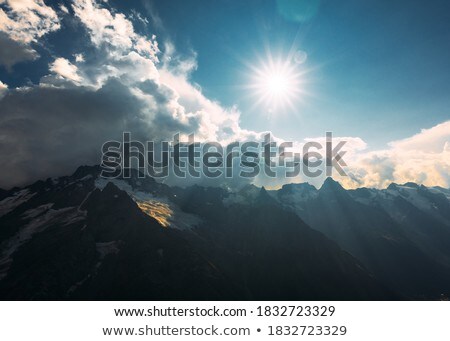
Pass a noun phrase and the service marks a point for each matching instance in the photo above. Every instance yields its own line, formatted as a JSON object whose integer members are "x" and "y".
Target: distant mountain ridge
{"x": 401, "y": 233}
{"x": 83, "y": 237}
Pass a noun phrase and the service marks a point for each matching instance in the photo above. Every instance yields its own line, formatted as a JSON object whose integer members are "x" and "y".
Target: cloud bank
{"x": 423, "y": 158}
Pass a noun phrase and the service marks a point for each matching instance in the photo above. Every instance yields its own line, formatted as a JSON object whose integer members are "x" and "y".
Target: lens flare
{"x": 276, "y": 84}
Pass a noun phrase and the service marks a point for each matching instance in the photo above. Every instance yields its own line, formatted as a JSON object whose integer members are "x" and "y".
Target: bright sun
{"x": 276, "y": 84}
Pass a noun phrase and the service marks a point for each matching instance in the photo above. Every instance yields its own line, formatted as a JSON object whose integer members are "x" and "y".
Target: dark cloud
{"x": 48, "y": 131}
{"x": 13, "y": 52}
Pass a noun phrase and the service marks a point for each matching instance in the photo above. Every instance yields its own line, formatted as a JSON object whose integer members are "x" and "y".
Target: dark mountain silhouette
{"x": 84, "y": 237}
{"x": 81, "y": 237}
{"x": 401, "y": 242}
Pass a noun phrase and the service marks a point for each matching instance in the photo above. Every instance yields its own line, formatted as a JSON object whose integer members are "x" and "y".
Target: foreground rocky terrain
{"x": 83, "y": 237}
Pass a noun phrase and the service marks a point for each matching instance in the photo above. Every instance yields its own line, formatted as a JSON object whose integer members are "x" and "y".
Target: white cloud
{"x": 79, "y": 57}
{"x": 66, "y": 69}
{"x": 113, "y": 30}
{"x": 23, "y": 22}
{"x": 135, "y": 15}
{"x": 215, "y": 122}
{"x": 27, "y": 20}
{"x": 428, "y": 140}
{"x": 423, "y": 158}
{"x": 121, "y": 52}
{"x": 64, "y": 9}
{"x": 3, "y": 89}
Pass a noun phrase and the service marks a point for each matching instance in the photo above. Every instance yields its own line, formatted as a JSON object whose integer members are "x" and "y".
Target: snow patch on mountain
{"x": 167, "y": 213}
{"x": 412, "y": 195}
{"x": 18, "y": 198}
{"x": 441, "y": 190}
{"x": 41, "y": 218}
{"x": 34, "y": 212}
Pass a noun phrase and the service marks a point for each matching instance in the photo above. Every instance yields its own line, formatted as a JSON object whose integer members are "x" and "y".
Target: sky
{"x": 74, "y": 74}
{"x": 371, "y": 62}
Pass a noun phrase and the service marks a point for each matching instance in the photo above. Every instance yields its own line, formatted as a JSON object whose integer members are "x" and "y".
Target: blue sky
{"x": 379, "y": 68}
{"x": 376, "y": 73}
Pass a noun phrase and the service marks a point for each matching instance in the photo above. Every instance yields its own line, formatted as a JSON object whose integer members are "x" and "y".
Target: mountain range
{"x": 84, "y": 237}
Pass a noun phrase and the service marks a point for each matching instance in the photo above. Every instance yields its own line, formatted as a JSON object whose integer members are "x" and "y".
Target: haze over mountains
{"x": 83, "y": 237}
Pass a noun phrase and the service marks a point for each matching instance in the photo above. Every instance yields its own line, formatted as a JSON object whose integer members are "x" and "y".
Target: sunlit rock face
{"x": 158, "y": 210}
{"x": 153, "y": 200}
